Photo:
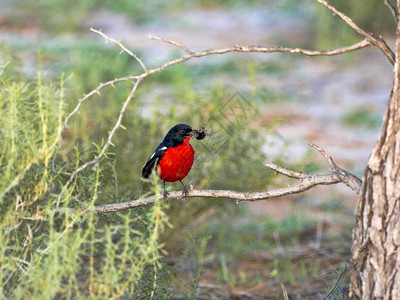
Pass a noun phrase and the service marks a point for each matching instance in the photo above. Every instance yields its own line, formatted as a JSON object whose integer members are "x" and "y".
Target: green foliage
{"x": 48, "y": 253}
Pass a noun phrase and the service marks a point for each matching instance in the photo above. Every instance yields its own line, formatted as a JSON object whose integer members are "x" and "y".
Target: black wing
{"x": 149, "y": 165}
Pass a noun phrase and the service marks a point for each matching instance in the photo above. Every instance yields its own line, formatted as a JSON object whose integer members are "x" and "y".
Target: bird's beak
{"x": 193, "y": 132}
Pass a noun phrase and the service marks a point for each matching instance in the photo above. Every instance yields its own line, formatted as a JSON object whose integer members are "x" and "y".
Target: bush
{"x": 45, "y": 253}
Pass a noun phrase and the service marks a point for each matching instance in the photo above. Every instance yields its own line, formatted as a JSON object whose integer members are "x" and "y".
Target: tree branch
{"x": 87, "y": 96}
{"x": 262, "y": 49}
{"x": 183, "y": 47}
{"x": 306, "y": 182}
{"x": 392, "y": 9}
{"x": 346, "y": 177}
{"x": 375, "y": 40}
{"x": 124, "y": 49}
{"x": 96, "y": 160}
{"x": 189, "y": 55}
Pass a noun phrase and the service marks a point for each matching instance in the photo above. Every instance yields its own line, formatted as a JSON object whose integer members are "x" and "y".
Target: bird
{"x": 173, "y": 158}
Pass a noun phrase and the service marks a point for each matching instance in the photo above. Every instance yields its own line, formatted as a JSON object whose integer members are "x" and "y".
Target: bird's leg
{"x": 185, "y": 191}
{"x": 165, "y": 193}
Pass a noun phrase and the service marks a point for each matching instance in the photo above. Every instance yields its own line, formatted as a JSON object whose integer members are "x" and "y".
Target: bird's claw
{"x": 185, "y": 192}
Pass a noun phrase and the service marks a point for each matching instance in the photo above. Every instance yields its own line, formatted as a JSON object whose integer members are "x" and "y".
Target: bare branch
{"x": 122, "y": 47}
{"x": 375, "y": 40}
{"x": 347, "y": 178}
{"x": 286, "y": 172}
{"x": 87, "y": 96}
{"x": 153, "y": 37}
{"x": 96, "y": 160}
{"x": 306, "y": 182}
{"x": 392, "y": 9}
{"x": 262, "y": 49}
{"x": 226, "y": 194}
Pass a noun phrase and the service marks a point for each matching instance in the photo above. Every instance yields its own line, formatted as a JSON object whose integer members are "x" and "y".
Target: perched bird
{"x": 173, "y": 158}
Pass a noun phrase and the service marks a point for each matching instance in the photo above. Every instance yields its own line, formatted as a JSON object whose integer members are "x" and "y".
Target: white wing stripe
{"x": 159, "y": 150}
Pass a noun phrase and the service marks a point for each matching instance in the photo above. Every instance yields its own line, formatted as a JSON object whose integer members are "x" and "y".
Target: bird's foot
{"x": 185, "y": 191}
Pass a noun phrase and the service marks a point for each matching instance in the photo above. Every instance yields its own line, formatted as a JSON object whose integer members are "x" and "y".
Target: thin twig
{"x": 122, "y": 47}
{"x": 87, "y": 96}
{"x": 96, "y": 160}
{"x": 347, "y": 178}
{"x": 183, "y": 47}
{"x": 392, "y": 9}
{"x": 286, "y": 172}
{"x": 337, "y": 282}
{"x": 262, "y": 49}
{"x": 375, "y": 40}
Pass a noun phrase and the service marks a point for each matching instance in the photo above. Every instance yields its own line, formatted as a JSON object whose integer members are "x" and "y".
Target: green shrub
{"x": 45, "y": 253}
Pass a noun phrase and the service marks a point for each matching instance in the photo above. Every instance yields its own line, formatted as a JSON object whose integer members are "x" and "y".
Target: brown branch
{"x": 306, "y": 182}
{"x": 124, "y": 49}
{"x": 346, "y": 177}
{"x": 96, "y": 160}
{"x": 392, "y": 9}
{"x": 262, "y": 49}
{"x": 286, "y": 172}
{"x": 375, "y": 40}
{"x": 87, "y": 96}
{"x": 183, "y": 47}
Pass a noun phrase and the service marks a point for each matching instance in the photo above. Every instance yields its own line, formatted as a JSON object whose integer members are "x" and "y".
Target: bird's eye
{"x": 182, "y": 132}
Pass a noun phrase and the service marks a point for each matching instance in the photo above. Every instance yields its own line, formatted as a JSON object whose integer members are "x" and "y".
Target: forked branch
{"x": 375, "y": 40}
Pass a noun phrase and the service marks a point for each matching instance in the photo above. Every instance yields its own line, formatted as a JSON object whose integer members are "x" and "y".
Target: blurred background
{"x": 257, "y": 108}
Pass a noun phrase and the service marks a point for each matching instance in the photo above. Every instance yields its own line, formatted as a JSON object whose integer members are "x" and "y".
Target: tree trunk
{"x": 376, "y": 237}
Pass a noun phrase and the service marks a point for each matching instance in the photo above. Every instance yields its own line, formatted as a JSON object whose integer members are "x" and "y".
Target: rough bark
{"x": 376, "y": 237}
